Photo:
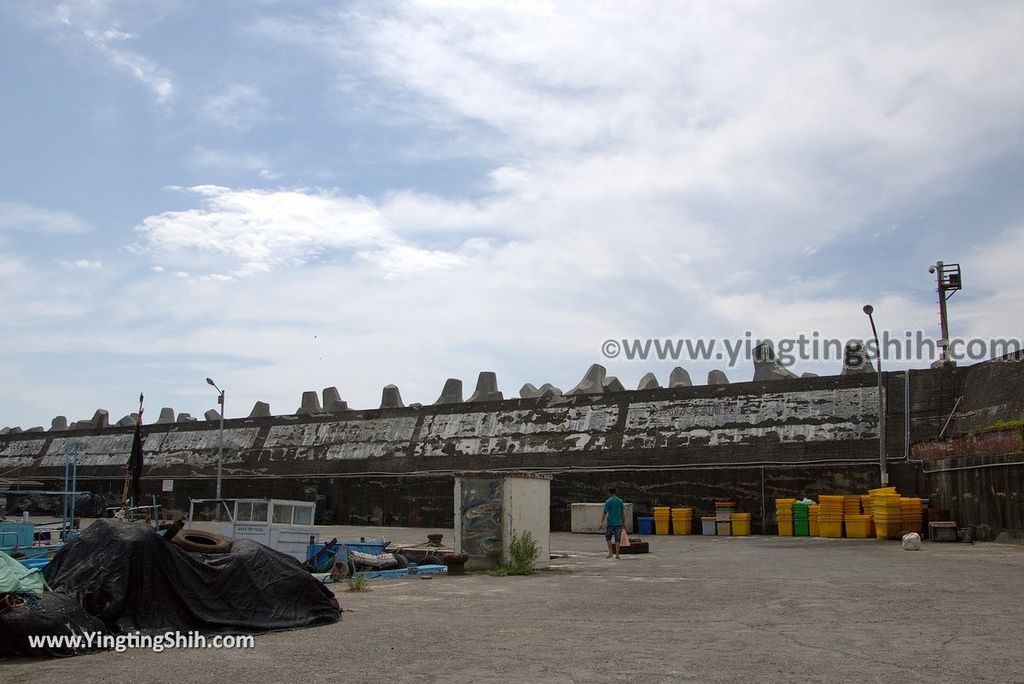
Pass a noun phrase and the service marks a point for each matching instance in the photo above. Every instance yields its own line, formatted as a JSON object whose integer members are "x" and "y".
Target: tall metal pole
{"x": 943, "y": 320}
{"x": 882, "y": 469}
{"x": 220, "y": 434}
{"x": 220, "y": 442}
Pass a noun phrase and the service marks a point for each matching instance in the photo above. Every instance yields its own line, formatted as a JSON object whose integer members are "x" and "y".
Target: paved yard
{"x": 695, "y": 608}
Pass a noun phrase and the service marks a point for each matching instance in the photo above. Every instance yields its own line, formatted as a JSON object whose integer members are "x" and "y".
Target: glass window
{"x": 283, "y": 514}
{"x": 303, "y": 515}
{"x": 243, "y": 511}
{"x": 259, "y": 512}
{"x": 206, "y": 511}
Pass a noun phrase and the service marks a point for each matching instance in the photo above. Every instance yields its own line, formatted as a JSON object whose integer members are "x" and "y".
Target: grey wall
{"x": 666, "y": 446}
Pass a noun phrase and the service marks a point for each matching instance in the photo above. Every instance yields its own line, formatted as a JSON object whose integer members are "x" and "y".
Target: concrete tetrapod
{"x": 612, "y": 384}
{"x": 648, "y": 382}
{"x": 451, "y": 393}
{"x": 855, "y": 358}
{"x": 592, "y": 382}
{"x": 333, "y": 403}
{"x": 767, "y": 366}
{"x": 390, "y": 397}
{"x": 717, "y": 377}
{"x": 546, "y": 390}
{"x": 260, "y": 409}
{"x": 679, "y": 378}
{"x": 486, "y": 388}
{"x": 310, "y": 404}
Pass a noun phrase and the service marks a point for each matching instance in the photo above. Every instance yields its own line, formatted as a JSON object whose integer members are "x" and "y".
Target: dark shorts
{"x": 612, "y": 533}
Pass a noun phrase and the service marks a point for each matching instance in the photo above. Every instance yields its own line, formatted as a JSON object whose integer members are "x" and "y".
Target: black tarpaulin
{"x": 126, "y": 575}
{"x": 56, "y": 615}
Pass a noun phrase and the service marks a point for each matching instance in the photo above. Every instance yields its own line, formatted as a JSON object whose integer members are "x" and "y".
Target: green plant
{"x": 359, "y": 582}
{"x": 524, "y": 551}
{"x": 1004, "y": 424}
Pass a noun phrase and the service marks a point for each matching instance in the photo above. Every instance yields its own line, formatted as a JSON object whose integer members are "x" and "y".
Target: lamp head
{"x": 868, "y": 309}
{"x": 931, "y": 269}
{"x": 209, "y": 381}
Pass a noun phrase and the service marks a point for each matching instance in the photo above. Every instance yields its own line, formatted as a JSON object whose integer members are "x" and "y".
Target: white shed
{"x": 491, "y": 509}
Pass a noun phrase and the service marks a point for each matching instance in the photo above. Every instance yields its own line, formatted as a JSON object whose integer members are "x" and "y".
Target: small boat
{"x": 322, "y": 557}
{"x": 28, "y": 543}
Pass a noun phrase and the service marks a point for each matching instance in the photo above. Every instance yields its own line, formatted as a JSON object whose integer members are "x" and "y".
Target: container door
{"x": 480, "y": 521}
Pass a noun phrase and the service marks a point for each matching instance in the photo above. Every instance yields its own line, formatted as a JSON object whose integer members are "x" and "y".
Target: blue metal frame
{"x": 70, "y": 489}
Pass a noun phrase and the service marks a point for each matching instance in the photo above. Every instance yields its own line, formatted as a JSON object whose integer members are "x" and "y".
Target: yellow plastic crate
{"x": 887, "y": 530}
{"x": 858, "y": 526}
{"x": 682, "y": 526}
{"x": 832, "y": 529}
{"x": 740, "y": 524}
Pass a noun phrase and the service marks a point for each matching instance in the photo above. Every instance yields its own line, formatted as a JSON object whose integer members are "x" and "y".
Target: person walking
{"x": 613, "y": 516}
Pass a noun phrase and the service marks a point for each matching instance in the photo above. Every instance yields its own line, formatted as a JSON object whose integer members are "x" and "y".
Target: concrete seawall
{"x": 681, "y": 446}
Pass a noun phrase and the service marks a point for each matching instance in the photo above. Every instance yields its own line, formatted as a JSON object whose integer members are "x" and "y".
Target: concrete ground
{"x": 695, "y": 608}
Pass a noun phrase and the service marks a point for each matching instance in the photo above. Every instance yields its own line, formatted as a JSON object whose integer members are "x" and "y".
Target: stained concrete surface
{"x": 694, "y": 609}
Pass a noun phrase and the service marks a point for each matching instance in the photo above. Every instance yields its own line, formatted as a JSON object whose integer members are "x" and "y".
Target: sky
{"x": 287, "y": 196}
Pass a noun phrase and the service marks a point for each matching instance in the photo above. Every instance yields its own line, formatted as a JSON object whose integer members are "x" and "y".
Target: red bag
{"x": 623, "y": 538}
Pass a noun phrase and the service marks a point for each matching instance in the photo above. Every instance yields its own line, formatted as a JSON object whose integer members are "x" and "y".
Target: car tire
{"x": 199, "y": 541}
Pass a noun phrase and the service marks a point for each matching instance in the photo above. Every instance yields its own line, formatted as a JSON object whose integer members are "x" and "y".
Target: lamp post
{"x": 949, "y": 281}
{"x": 220, "y": 434}
{"x": 883, "y": 472}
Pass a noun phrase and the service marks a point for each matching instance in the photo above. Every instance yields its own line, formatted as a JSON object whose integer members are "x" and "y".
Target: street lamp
{"x": 884, "y": 474}
{"x": 220, "y": 435}
{"x": 949, "y": 281}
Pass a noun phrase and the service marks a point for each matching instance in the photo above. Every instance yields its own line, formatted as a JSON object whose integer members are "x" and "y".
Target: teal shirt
{"x": 613, "y": 508}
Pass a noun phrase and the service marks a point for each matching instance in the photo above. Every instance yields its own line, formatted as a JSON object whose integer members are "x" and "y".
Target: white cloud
{"x": 81, "y": 264}
{"x": 239, "y": 107}
{"x": 204, "y": 157}
{"x": 654, "y": 169}
{"x": 261, "y": 230}
{"x": 100, "y": 25}
{"x": 820, "y": 125}
{"x": 644, "y": 138}
{"x": 20, "y": 216}
{"x": 140, "y": 67}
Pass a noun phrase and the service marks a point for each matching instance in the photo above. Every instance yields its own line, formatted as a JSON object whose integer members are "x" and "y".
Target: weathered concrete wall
{"x": 978, "y": 477}
{"x": 678, "y": 446}
{"x": 782, "y": 420}
{"x": 986, "y": 492}
{"x": 991, "y": 443}
{"x": 973, "y": 471}
{"x": 991, "y": 392}
{"x": 397, "y": 463}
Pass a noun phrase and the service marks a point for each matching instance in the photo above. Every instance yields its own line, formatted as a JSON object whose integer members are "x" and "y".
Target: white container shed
{"x": 585, "y": 518}
{"x": 491, "y": 508}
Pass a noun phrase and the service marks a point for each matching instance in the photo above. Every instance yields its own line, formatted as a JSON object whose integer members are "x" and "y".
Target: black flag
{"x": 135, "y": 460}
